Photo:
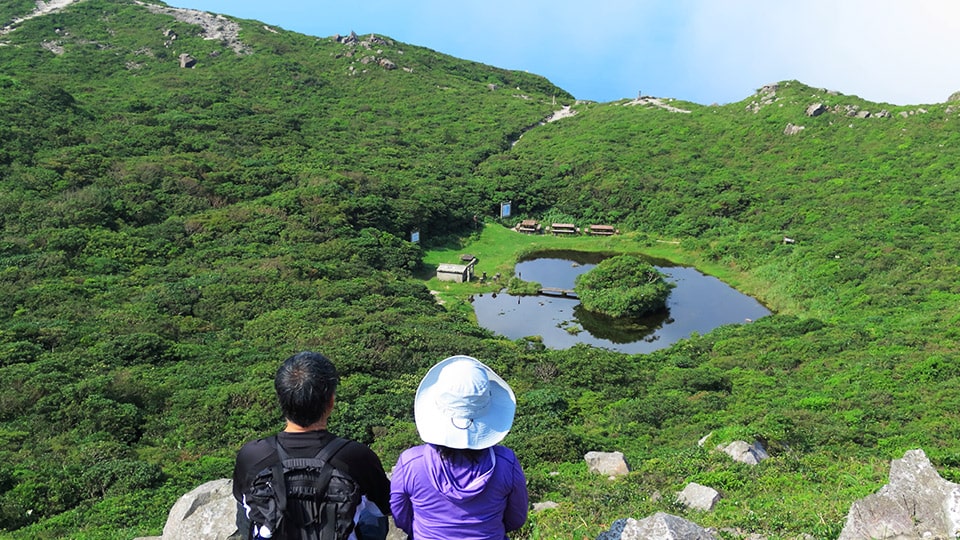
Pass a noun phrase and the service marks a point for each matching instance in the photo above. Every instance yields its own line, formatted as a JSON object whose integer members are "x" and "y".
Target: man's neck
{"x": 319, "y": 425}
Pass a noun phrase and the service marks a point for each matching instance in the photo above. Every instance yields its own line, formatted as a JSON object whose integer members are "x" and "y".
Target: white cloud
{"x": 883, "y": 50}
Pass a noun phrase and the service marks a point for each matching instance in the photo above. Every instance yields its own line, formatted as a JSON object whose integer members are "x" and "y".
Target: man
{"x": 306, "y": 384}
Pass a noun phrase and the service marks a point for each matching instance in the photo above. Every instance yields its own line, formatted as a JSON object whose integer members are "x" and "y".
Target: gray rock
{"x": 206, "y": 513}
{"x": 698, "y": 497}
{"x": 609, "y": 463}
{"x": 792, "y": 129}
{"x": 545, "y": 505}
{"x": 751, "y": 454}
{"x": 187, "y": 61}
{"x": 916, "y": 504}
{"x": 816, "y": 109}
{"x": 660, "y": 526}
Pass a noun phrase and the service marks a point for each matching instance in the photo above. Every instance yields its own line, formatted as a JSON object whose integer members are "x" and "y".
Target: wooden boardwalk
{"x": 556, "y": 291}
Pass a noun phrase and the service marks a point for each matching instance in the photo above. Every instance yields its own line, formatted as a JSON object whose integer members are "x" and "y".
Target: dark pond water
{"x": 699, "y": 303}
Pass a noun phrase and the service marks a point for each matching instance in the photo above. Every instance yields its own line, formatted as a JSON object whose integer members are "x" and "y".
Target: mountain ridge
{"x": 213, "y": 29}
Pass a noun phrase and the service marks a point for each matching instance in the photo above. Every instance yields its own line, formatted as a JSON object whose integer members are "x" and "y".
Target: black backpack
{"x": 304, "y": 498}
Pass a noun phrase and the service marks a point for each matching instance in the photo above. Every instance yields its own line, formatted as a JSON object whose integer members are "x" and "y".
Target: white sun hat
{"x": 462, "y": 403}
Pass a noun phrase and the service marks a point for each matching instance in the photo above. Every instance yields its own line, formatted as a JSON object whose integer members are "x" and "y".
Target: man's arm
{"x": 243, "y": 522}
{"x": 364, "y": 466}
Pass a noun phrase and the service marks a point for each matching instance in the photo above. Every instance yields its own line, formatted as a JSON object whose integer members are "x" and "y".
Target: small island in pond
{"x": 623, "y": 286}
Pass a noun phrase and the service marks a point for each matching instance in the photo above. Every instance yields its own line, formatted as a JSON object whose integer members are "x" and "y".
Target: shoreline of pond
{"x": 698, "y": 304}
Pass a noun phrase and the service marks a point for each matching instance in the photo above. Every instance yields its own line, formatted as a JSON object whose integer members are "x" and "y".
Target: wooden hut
{"x": 458, "y": 273}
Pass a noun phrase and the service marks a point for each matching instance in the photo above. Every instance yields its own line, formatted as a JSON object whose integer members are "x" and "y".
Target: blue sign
{"x": 415, "y": 237}
{"x": 505, "y": 209}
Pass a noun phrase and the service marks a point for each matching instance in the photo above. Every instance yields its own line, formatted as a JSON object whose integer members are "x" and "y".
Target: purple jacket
{"x": 438, "y": 499}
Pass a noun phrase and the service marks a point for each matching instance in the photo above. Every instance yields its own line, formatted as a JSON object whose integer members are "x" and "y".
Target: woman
{"x": 461, "y": 483}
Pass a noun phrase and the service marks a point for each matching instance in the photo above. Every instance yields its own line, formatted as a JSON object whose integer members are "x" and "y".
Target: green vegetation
{"x": 623, "y": 286}
{"x": 168, "y": 235}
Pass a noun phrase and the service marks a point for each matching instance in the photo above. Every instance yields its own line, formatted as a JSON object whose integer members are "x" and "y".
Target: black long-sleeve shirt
{"x": 355, "y": 459}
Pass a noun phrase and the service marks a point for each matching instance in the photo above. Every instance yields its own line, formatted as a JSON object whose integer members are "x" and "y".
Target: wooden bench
{"x": 602, "y": 230}
{"x": 529, "y": 226}
{"x": 564, "y": 228}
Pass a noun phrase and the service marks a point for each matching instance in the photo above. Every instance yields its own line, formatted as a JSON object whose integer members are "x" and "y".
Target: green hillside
{"x": 169, "y": 234}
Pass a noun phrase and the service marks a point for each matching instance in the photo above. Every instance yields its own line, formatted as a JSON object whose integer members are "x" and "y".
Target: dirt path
{"x": 215, "y": 27}
{"x": 656, "y": 102}
{"x": 565, "y": 112}
{"x": 42, "y": 9}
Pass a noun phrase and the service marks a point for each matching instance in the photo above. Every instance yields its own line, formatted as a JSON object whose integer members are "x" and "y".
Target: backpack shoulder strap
{"x": 331, "y": 448}
{"x": 324, "y": 455}
{"x": 279, "y": 482}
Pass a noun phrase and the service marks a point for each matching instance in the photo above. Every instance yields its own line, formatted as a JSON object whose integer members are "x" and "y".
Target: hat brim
{"x": 484, "y": 431}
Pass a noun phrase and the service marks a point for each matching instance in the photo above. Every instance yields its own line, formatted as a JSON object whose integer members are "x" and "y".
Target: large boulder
{"x": 698, "y": 497}
{"x": 751, "y": 454}
{"x": 816, "y": 109}
{"x": 608, "y": 463}
{"x": 206, "y": 513}
{"x": 916, "y": 504}
{"x": 209, "y": 512}
{"x": 660, "y": 526}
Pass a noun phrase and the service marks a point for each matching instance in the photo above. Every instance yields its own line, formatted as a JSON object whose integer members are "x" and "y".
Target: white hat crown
{"x": 463, "y": 390}
{"x": 462, "y": 403}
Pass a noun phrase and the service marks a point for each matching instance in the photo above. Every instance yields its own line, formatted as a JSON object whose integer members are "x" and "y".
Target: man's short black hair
{"x": 305, "y": 382}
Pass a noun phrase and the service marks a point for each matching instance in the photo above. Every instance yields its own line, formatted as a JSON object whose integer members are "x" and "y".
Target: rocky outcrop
{"x": 354, "y": 42}
{"x": 660, "y": 526}
{"x": 764, "y": 96}
{"x": 609, "y": 463}
{"x": 43, "y": 8}
{"x": 916, "y": 504}
{"x": 212, "y": 27}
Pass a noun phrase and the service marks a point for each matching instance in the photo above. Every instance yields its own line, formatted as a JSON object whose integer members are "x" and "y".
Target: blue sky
{"x": 706, "y": 51}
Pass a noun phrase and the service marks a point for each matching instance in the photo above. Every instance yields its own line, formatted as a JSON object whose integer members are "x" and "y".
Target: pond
{"x": 698, "y": 304}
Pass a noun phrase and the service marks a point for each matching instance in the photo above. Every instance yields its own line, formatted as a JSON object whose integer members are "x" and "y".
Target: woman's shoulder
{"x": 504, "y": 452}
{"x": 413, "y": 453}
